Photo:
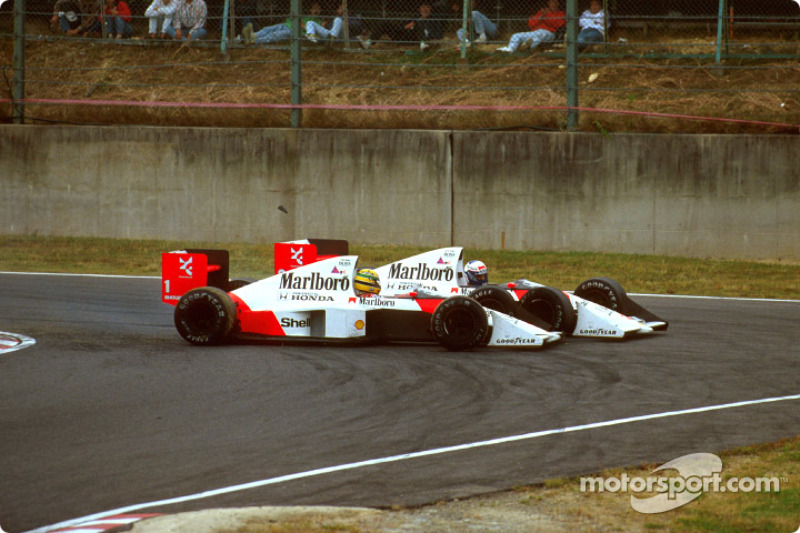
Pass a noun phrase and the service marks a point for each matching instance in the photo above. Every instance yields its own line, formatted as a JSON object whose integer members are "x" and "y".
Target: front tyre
{"x": 604, "y": 291}
{"x": 459, "y": 323}
{"x": 552, "y": 307}
{"x": 205, "y": 316}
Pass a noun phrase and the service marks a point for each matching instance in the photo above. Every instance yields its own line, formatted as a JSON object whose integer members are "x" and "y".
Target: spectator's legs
{"x": 518, "y": 39}
{"x": 169, "y": 31}
{"x": 589, "y": 36}
{"x": 152, "y": 25}
{"x": 336, "y": 28}
{"x": 312, "y": 28}
{"x": 541, "y": 36}
{"x": 483, "y": 26}
{"x": 272, "y": 34}
{"x": 119, "y": 26}
{"x": 196, "y": 35}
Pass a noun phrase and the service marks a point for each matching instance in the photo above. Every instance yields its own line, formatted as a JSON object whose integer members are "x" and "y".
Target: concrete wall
{"x": 706, "y": 196}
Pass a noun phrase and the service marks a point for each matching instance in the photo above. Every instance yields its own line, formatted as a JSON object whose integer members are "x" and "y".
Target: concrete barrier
{"x": 691, "y": 195}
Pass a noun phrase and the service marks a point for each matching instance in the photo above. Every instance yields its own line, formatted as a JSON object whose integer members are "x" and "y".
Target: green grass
{"x": 637, "y": 273}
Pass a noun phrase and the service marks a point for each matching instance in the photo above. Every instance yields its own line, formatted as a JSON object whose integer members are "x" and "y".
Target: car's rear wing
{"x": 184, "y": 270}
{"x": 293, "y": 254}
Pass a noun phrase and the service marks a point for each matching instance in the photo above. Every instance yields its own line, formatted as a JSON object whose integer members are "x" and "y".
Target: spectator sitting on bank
{"x": 315, "y": 31}
{"x": 592, "y": 23}
{"x": 77, "y": 17}
{"x": 427, "y": 28}
{"x": 281, "y": 31}
{"x": 189, "y": 21}
{"x": 160, "y": 14}
{"x": 118, "y": 19}
{"x": 543, "y": 26}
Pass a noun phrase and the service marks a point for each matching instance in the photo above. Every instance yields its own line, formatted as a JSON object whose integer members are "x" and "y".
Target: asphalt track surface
{"x": 111, "y": 408}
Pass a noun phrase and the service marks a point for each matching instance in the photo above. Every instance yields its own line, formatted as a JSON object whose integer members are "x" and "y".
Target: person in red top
{"x": 118, "y": 19}
{"x": 543, "y": 26}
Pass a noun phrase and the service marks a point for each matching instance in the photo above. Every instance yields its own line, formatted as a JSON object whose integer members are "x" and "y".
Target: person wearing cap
{"x": 77, "y": 16}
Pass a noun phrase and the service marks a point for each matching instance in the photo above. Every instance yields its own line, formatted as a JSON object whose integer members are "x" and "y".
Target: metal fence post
{"x": 297, "y": 88}
{"x": 572, "y": 64}
{"x": 18, "y": 82}
{"x": 223, "y": 43}
{"x": 721, "y": 29}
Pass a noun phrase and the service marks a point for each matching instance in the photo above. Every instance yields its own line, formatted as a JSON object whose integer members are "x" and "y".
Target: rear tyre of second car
{"x": 460, "y": 323}
{"x": 205, "y": 316}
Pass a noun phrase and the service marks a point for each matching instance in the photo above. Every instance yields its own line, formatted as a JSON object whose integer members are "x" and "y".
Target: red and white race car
{"x": 313, "y": 299}
{"x": 599, "y": 307}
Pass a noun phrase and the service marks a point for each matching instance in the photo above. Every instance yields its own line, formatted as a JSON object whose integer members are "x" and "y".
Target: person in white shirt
{"x": 159, "y": 15}
{"x": 592, "y": 23}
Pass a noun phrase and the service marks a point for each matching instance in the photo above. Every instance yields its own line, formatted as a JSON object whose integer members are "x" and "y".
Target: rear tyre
{"x": 552, "y": 307}
{"x": 459, "y": 323}
{"x": 205, "y": 316}
{"x": 604, "y": 291}
{"x": 496, "y": 299}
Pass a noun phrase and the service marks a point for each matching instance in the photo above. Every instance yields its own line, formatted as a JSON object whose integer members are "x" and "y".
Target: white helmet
{"x": 477, "y": 273}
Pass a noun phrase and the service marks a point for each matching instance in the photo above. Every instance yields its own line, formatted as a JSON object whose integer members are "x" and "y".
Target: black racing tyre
{"x": 604, "y": 291}
{"x": 495, "y": 298}
{"x": 552, "y": 307}
{"x": 460, "y": 323}
{"x": 205, "y": 316}
{"x": 238, "y": 283}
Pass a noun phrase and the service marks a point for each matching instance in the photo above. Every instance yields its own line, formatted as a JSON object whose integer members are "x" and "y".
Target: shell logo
{"x": 359, "y": 325}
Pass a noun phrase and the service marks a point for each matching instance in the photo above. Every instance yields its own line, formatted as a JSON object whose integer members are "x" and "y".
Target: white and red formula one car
{"x": 599, "y": 307}
{"x": 314, "y": 299}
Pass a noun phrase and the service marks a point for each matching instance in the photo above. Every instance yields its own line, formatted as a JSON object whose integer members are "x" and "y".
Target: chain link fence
{"x": 396, "y": 63}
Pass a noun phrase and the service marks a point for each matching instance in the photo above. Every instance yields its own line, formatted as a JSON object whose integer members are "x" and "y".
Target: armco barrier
{"x": 691, "y": 195}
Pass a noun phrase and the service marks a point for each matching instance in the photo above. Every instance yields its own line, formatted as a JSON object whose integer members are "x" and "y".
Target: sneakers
{"x": 247, "y": 34}
{"x": 365, "y": 42}
{"x": 312, "y": 37}
{"x": 505, "y": 49}
{"x": 481, "y": 38}
{"x": 423, "y": 46}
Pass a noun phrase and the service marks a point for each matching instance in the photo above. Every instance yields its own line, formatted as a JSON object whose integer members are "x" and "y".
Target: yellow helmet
{"x": 367, "y": 281}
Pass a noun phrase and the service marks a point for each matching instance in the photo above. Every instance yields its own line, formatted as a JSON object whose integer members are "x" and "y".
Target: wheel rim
{"x": 544, "y": 310}
{"x": 460, "y": 324}
{"x": 201, "y": 318}
{"x": 493, "y": 303}
{"x": 597, "y": 296}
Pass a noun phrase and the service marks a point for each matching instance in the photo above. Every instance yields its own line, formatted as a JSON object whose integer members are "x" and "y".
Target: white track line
{"x": 412, "y": 455}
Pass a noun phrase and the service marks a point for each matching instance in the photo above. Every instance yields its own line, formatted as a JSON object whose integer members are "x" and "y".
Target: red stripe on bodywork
{"x": 428, "y": 305}
{"x": 261, "y": 322}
